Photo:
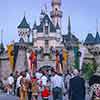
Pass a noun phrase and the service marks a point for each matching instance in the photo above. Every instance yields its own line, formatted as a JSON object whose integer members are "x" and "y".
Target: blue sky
{"x": 83, "y": 16}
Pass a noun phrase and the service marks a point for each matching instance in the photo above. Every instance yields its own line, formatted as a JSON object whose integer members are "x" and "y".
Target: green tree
{"x": 88, "y": 70}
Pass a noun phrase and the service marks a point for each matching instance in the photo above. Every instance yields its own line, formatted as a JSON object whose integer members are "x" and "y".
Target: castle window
{"x": 46, "y": 29}
{"x": 56, "y": 9}
{"x": 95, "y": 53}
{"x": 46, "y": 43}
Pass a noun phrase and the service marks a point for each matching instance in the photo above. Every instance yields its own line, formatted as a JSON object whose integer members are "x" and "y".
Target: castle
{"x": 45, "y": 39}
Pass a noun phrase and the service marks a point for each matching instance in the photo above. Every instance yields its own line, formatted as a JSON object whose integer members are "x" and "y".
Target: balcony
{"x": 56, "y": 13}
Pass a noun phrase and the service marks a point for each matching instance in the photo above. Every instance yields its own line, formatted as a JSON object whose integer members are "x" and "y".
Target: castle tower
{"x": 56, "y": 13}
{"x": 24, "y": 30}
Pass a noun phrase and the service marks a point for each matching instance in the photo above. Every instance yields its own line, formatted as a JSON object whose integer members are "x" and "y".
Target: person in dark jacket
{"x": 76, "y": 87}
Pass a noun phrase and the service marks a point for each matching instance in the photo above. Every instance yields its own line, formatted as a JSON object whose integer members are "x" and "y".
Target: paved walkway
{"x": 9, "y": 97}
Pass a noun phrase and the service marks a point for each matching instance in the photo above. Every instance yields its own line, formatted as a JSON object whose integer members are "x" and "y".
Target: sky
{"x": 83, "y": 15}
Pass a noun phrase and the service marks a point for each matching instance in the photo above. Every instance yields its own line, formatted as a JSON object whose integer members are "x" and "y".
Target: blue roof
{"x": 89, "y": 39}
{"x": 71, "y": 37}
{"x": 34, "y": 26}
{"x": 40, "y": 27}
{"x": 97, "y": 38}
{"x": 23, "y": 24}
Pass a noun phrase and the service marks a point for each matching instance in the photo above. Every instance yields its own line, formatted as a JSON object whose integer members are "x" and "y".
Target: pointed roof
{"x": 97, "y": 38}
{"x": 89, "y": 39}
{"x": 40, "y": 27}
{"x": 42, "y": 12}
{"x": 70, "y": 37}
{"x": 23, "y": 24}
{"x": 57, "y": 26}
{"x": 21, "y": 40}
{"x": 2, "y": 48}
{"x": 35, "y": 25}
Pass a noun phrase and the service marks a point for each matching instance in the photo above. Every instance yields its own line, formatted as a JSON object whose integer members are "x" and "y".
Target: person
{"x": 45, "y": 93}
{"x": 10, "y": 81}
{"x": 94, "y": 84}
{"x": 67, "y": 78}
{"x": 16, "y": 75}
{"x": 23, "y": 88}
{"x": 29, "y": 91}
{"x": 44, "y": 86}
{"x": 38, "y": 75}
{"x": 18, "y": 84}
{"x": 5, "y": 84}
{"x": 57, "y": 85}
{"x": 35, "y": 87}
{"x": 27, "y": 75}
{"x": 44, "y": 79}
{"x": 76, "y": 87}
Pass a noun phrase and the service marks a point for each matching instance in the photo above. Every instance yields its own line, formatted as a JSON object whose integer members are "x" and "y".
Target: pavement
{"x": 4, "y": 96}
{"x": 10, "y": 97}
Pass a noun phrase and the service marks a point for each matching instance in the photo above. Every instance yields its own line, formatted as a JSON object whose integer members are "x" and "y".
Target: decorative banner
{"x": 33, "y": 61}
{"x": 57, "y": 61}
{"x": 16, "y": 48}
{"x": 28, "y": 60}
{"x": 65, "y": 56}
{"x": 10, "y": 52}
{"x": 61, "y": 59}
{"x": 76, "y": 57}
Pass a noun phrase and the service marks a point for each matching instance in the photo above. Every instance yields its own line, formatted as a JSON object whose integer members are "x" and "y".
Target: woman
{"x": 23, "y": 88}
{"x": 35, "y": 87}
{"x": 95, "y": 88}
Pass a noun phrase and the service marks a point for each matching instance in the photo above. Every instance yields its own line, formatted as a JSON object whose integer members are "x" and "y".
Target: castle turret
{"x": 24, "y": 29}
{"x": 56, "y": 13}
{"x": 42, "y": 14}
{"x": 34, "y": 32}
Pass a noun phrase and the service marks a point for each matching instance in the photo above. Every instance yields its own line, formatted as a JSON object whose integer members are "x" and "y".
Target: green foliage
{"x": 88, "y": 70}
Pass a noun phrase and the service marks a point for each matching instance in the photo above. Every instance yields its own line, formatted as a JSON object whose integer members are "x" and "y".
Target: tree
{"x": 88, "y": 70}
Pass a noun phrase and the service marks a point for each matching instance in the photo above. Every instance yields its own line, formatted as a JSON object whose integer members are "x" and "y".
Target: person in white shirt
{"x": 38, "y": 75}
{"x": 10, "y": 79}
{"x": 18, "y": 84}
{"x": 44, "y": 80}
{"x": 57, "y": 85}
{"x": 27, "y": 75}
{"x": 10, "y": 82}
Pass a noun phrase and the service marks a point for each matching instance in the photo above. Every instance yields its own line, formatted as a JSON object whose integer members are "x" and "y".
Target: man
{"x": 18, "y": 84}
{"x": 76, "y": 87}
{"x": 57, "y": 85}
{"x": 27, "y": 75}
{"x": 10, "y": 81}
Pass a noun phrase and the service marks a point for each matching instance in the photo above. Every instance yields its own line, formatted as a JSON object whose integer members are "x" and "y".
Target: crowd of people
{"x": 45, "y": 83}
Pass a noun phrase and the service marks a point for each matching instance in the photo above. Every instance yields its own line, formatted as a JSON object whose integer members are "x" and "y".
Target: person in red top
{"x": 45, "y": 93}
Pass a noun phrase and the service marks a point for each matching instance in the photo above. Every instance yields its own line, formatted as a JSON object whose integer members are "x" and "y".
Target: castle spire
{"x": 2, "y": 36}
{"x": 69, "y": 25}
{"x": 97, "y": 26}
